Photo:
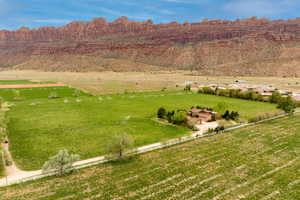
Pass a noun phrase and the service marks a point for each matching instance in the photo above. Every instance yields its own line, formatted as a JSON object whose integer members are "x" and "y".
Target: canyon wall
{"x": 257, "y": 47}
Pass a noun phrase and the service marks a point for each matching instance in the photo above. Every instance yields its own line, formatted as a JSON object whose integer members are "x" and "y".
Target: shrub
{"x": 76, "y": 93}
{"x": 17, "y": 95}
{"x": 234, "y": 93}
{"x": 223, "y": 92}
{"x": 62, "y": 162}
{"x": 161, "y": 113}
{"x": 226, "y": 115}
{"x": 192, "y": 125}
{"x": 287, "y": 105}
{"x": 53, "y": 95}
{"x": 179, "y": 117}
{"x": 230, "y": 115}
{"x": 219, "y": 129}
{"x": 208, "y": 90}
{"x": 170, "y": 115}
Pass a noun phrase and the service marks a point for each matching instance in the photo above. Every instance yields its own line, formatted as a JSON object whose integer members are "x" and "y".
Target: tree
{"x": 187, "y": 87}
{"x": 287, "y": 104}
{"x": 161, "y": 113}
{"x": 170, "y": 115}
{"x": 226, "y": 115}
{"x": 179, "y": 117}
{"x": 275, "y": 98}
{"x": 208, "y": 90}
{"x": 118, "y": 144}
{"x": 223, "y": 92}
{"x": 61, "y": 162}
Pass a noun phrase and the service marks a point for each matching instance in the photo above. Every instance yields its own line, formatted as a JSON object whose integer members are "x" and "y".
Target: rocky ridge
{"x": 213, "y": 47}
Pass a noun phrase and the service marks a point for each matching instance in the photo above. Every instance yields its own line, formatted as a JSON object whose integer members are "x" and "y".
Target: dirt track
{"x": 32, "y": 85}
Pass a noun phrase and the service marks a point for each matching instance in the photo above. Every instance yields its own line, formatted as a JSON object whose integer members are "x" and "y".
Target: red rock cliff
{"x": 201, "y": 46}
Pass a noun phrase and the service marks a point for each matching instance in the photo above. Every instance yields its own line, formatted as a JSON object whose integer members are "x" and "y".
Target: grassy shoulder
{"x": 19, "y": 82}
{"x": 39, "y": 128}
{"x": 257, "y": 162}
{"x": 1, "y": 165}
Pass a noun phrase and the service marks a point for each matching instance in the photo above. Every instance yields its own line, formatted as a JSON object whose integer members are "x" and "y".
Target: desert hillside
{"x": 250, "y": 47}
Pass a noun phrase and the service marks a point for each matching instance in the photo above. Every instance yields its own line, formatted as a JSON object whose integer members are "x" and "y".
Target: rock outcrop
{"x": 219, "y": 47}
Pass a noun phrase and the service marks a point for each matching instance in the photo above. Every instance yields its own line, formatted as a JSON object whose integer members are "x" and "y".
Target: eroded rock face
{"x": 207, "y": 46}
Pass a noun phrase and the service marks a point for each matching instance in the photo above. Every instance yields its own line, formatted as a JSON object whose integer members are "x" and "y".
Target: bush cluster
{"x": 178, "y": 117}
{"x": 285, "y": 103}
{"x": 231, "y": 115}
{"x": 216, "y": 130}
{"x": 234, "y": 93}
{"x": 53, "y": 95}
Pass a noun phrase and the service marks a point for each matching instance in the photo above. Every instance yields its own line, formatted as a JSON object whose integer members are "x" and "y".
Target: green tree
{"x": 188, "y": 87}
{"x": 287, "y": 104}
{"x": 61, "y": 162}
{"x": 119, "y": 144}
{"x": 179, "y": 117}
{"x": 275, "y": 98}
{"x": 161, "y": 113}
{"x": 223, "y": 92}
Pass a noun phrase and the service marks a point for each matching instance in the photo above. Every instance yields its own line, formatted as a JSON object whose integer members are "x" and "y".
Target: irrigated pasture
{"x": 39, "y": 127}
{"x": 258, "y": 162}
{"x": 15, "y": 82}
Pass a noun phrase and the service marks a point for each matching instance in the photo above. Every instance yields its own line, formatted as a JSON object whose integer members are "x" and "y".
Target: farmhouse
{"x": 200, "y": 115}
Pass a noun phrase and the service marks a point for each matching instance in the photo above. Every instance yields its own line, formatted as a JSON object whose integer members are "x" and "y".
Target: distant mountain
{"x": 256, "y": 47}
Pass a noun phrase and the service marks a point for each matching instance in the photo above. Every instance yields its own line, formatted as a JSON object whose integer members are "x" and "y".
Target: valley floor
{"x": 258, "y": 162}
{"x": 119, "y": 82}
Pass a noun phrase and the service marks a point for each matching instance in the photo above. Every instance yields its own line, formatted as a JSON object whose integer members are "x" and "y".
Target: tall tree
{"x": 119, "y": 144}
{"x": 287, "y": 104}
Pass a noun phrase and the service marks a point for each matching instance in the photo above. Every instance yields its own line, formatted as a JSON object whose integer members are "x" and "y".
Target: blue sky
{"x": 36, "y": 13}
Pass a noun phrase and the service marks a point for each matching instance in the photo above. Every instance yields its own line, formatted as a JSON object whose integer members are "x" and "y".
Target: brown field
{"x": 119, "y": 82}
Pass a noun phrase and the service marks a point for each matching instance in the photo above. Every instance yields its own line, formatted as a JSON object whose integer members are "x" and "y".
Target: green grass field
{"x": 39, "y": 127}
{"x": 15, "y": 82}
{"x": 257, "y": 162}
{"x": 37, "y": 93}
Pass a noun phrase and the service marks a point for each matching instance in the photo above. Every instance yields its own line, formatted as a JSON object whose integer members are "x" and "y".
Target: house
{"x": 200, "y": 115}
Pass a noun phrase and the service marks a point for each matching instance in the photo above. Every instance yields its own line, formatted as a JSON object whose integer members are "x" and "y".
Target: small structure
{"x": 200, "y": 115}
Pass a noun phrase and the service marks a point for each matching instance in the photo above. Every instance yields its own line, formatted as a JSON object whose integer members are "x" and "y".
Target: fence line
{"x": 140, "y": 150}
